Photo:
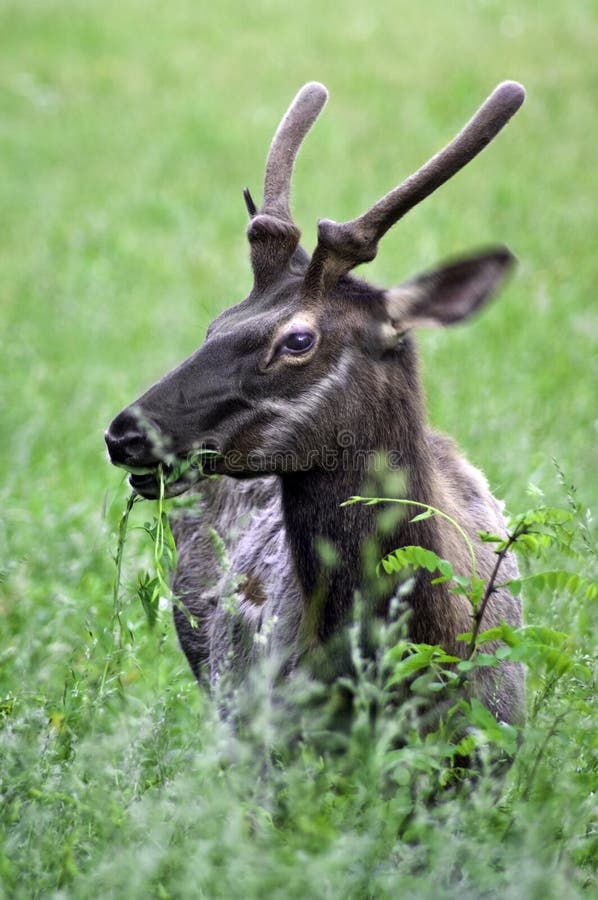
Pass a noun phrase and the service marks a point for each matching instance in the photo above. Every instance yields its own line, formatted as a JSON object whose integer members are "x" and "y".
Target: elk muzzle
{"x": 137, "y": 445}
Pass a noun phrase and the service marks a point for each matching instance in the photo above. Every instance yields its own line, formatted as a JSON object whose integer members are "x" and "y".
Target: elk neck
{"x": 313, "y": 513}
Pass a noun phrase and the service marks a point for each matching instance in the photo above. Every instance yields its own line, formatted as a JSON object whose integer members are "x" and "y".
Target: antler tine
{"x": 343, "y": 246}
{"x": 299, "y": 118}
{"x": 272, "y": 234}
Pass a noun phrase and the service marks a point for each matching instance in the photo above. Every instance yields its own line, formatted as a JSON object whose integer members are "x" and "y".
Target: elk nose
{"x": 128, "y": 444}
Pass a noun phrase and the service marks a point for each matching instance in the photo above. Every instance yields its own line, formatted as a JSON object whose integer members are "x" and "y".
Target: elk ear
{"x": 449, "y": 294}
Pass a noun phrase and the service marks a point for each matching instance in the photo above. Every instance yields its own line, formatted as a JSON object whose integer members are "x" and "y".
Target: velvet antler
{"x": 343, "y": 246}
{"x": 273, "y": 235}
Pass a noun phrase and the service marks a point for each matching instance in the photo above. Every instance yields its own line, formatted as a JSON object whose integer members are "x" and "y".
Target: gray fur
{"x": 247, "y": 516}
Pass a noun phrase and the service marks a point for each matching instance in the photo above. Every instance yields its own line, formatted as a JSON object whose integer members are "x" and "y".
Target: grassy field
{"x": 127, "y": 132}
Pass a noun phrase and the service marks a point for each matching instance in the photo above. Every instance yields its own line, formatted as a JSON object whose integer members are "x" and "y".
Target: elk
{"x": 293, "y": 392}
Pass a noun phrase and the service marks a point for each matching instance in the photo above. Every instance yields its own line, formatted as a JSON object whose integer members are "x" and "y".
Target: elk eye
{"x": 298, "y": 342}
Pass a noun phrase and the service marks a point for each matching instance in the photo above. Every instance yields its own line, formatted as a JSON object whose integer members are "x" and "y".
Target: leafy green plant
{"x": 152, "y": 587}
{"x": 537, "y": 535}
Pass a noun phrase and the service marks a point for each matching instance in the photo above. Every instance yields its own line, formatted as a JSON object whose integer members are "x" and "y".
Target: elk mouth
{"x": 171, "y": 479}
{"x": 147, "y": 485}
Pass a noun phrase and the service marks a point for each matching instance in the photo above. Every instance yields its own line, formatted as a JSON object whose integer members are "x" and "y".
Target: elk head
{"x": 280, "y": 374}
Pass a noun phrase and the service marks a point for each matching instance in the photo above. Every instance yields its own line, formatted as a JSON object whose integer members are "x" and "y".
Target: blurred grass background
{"x": 127, "y": 132}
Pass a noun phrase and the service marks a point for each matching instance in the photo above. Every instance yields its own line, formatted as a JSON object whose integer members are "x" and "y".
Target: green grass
{"x": 127, "y": 131}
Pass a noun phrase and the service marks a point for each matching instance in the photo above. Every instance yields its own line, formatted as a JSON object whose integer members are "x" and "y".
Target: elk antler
{"x": 343, "y": 246}
{"x": 272, "y": 234}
